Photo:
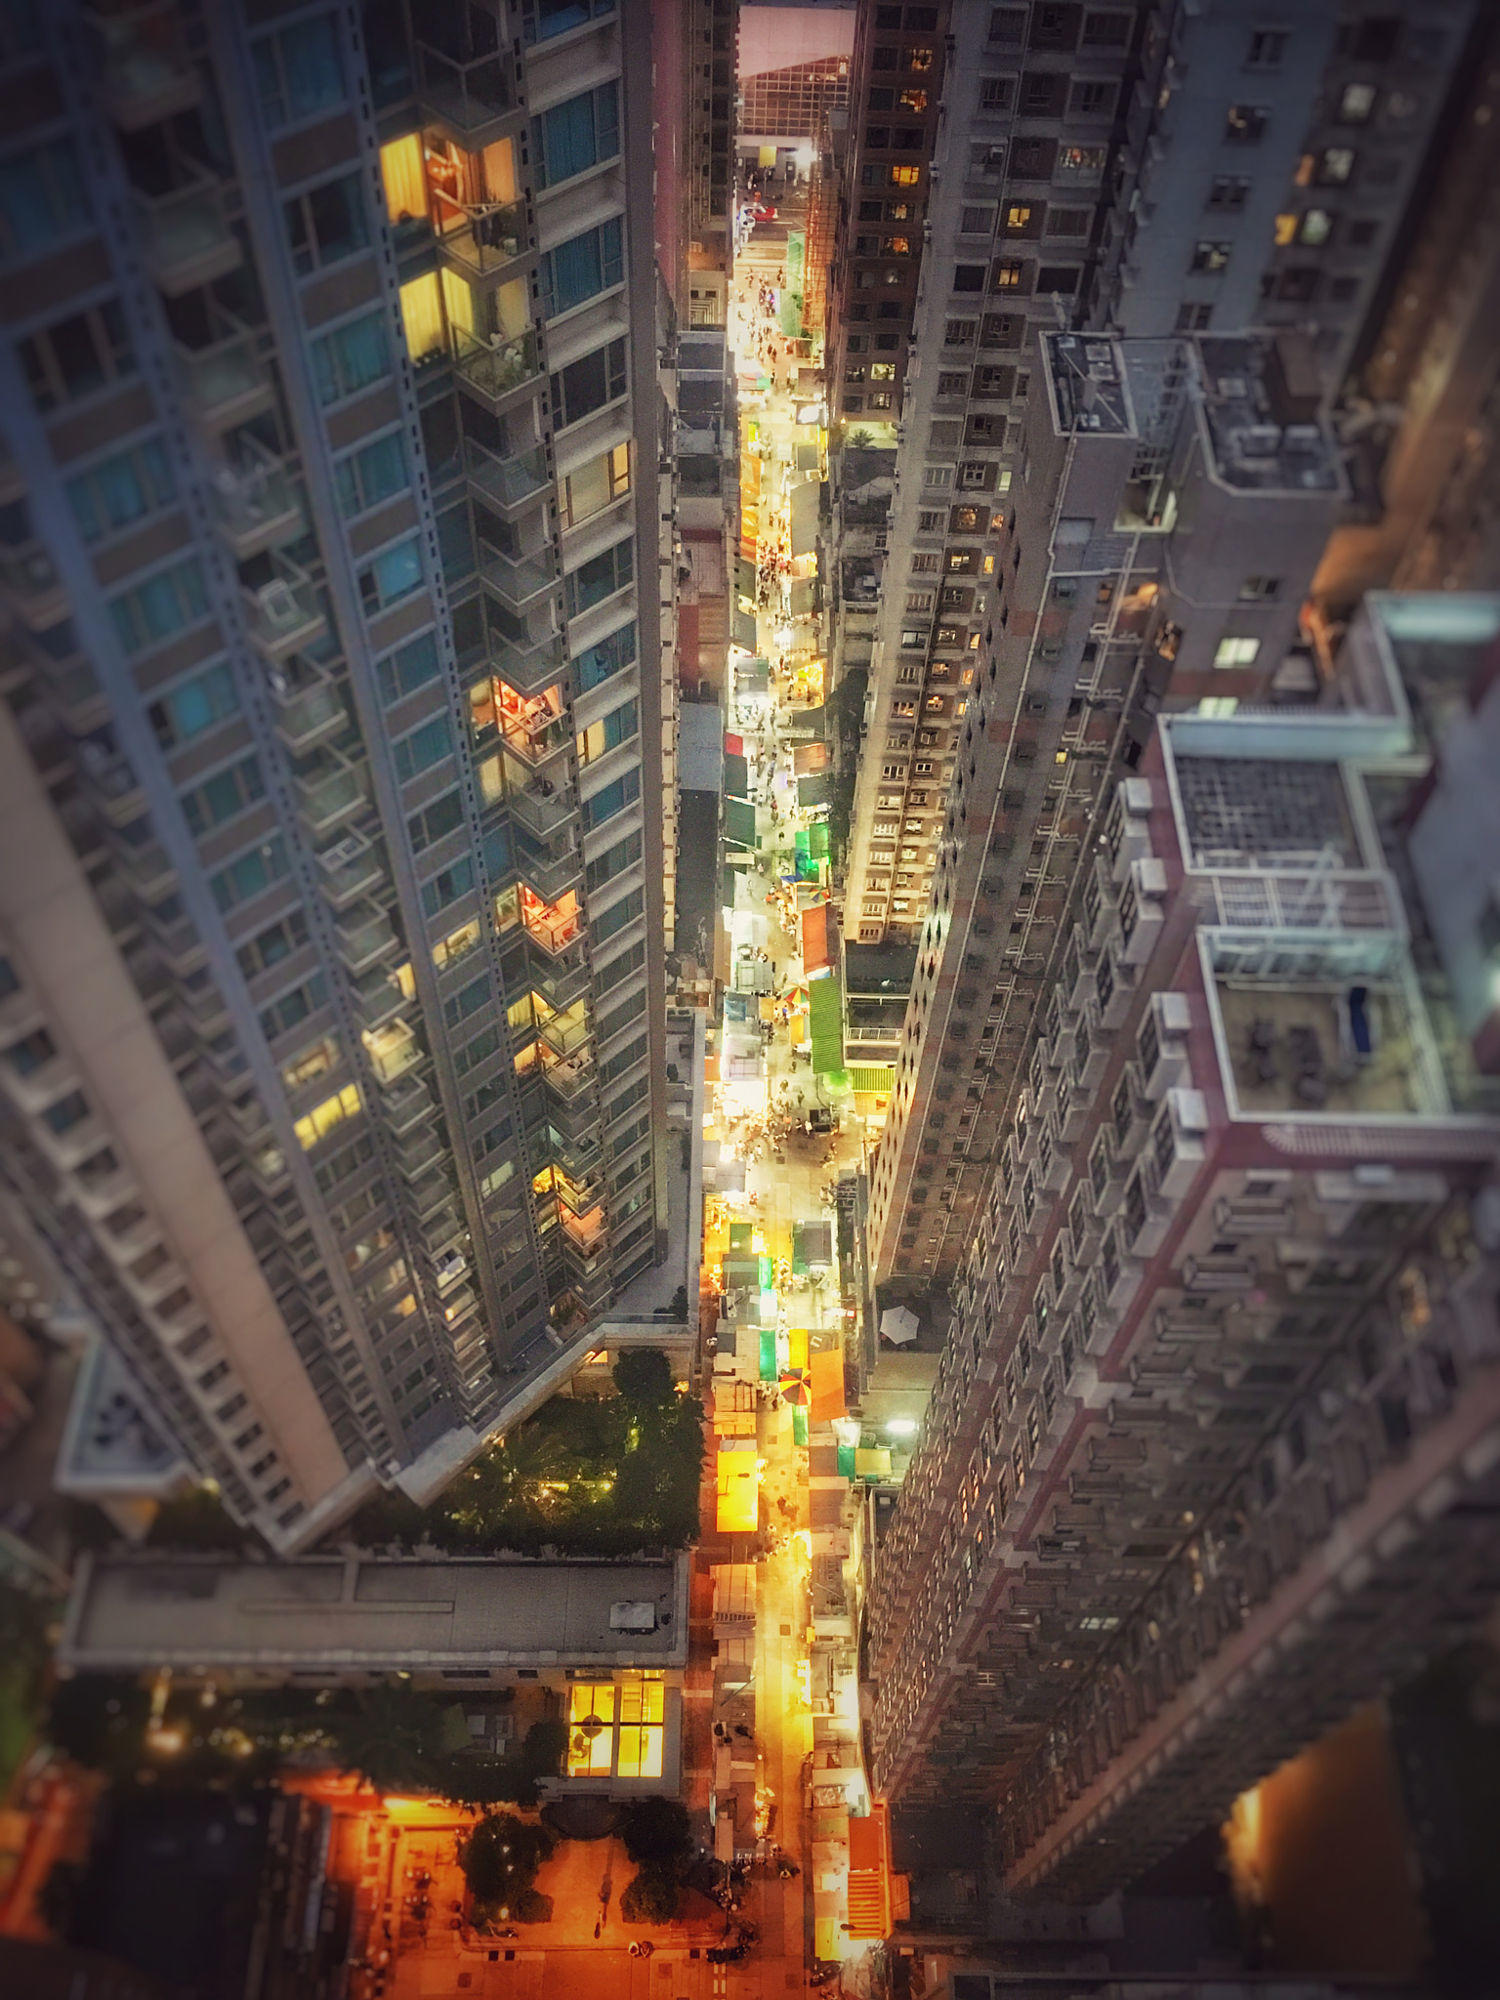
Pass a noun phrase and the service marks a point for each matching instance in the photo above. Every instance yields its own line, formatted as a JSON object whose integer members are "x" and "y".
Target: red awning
{"x": 815, "y": 953}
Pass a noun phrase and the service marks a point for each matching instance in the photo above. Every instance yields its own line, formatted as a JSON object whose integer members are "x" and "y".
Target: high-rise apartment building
{"x": 332, "y": 1003}
{"x": 1159, "y": 170}
{"x": 1214, "y": 1449}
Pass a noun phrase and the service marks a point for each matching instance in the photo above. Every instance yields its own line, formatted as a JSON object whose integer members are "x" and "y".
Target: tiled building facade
{"x": 333, "y": 993}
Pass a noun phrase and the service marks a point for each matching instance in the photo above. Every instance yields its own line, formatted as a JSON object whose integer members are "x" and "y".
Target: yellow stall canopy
{"x": 738, "y": 1482}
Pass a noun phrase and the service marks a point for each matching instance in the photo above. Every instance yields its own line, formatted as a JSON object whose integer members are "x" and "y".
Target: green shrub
{"x": 654, "y": 1896}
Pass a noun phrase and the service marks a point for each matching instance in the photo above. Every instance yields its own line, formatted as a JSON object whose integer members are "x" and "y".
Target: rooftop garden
{"x": 586, "y": 1476}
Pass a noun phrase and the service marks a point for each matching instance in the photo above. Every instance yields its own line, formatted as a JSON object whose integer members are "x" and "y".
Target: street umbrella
{"x": 795, "y": 1387}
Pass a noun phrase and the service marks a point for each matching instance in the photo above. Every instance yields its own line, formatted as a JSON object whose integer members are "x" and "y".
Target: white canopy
{"x": 898, "y": 1326}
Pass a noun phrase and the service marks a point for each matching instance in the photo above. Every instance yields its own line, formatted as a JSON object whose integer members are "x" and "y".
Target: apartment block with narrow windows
{"x": 1212, "y": 1454}
{"x": 895, "y": 91}
{"x": 1074, "y": 176}
{"x": 1186, "y": 491}
{"x": 333, "y": 997}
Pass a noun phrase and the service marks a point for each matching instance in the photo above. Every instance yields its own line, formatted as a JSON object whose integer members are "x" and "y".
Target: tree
{"x": 644, "y": 1375}
{"x": 99, "y": 1720}
{"x": 653, "y": 1896}
{"x": 657, "y": 1832}
{"x": 499, "y": 1858}
{"x": 395, "y": 1736}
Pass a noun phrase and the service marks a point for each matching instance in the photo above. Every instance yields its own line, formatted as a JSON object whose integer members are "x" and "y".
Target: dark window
{"x": 600, "y": 577}
{"x": 1245, "y": 124}
{"x": 75, "y": 356}
{"x": 588, "y": 383}
{"x": 327, "y": 224}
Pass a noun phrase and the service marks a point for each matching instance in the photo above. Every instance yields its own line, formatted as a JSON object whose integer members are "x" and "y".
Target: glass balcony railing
{"x": 473, "y": 97}
{"x": 330, "y": 797}
{"x": 554, "y": 930}
{"x": 308, "y": 718}
{"x": 564, "y": 1035}
{"x": 568, "y": 1076}
{"x": 257, "y": 504}
{"x": 364, "y": 940}
{"x": 188, "y": 238}
{"x": 518, "y": 581}
{"x": 343, "y": 880}
{"x": 510, "y": 481}
{"x": 484, "y": 237}
{"x": 147, "y": 77}
{"x": 284, "y": 614}
{"x": 540, "y": 806}
{"x": 496, "y": 369}
{"x": 550, "y": 874}
{"x": 407, "y": 1105}
{"x": 227, "y": 382}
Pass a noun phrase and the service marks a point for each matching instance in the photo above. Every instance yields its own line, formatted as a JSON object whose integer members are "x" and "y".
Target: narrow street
{"x": 781, "y": 1138}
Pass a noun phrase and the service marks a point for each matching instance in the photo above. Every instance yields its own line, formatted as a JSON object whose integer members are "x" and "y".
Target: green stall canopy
{"x": 739, "y": 823}
{"x": 825, "y": 1018}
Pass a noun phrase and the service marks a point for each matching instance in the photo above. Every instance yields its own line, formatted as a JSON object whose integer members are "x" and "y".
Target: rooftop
{"x": 134, "y": 1613}
{"x": 1263, "y": 431}
{"x": 1259, "y": 812}
{"x": 1087, "y": 375}
{"x": 112, "y": 1442}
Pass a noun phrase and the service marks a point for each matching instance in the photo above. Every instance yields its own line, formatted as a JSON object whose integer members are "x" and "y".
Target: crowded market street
{"x": 781, "y": 1129}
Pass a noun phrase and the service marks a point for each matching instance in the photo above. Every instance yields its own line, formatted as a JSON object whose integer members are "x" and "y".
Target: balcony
{"x": 547, "y": 891}
{"x": 309, "y": 718}
{"x": 407, "y": 1105}
{"x": 350, "y": 868}
{"x": 364, "y": 939}
{"x": 284, "y": 615}
{"x": 560, "y": 981}
{"x": 189, "y": 241}
{"x": 483, "y": 239}
{"x": 575, "y": 1118}
{"x": 566, "y": 1033}
{"x": 569, "y": 1077}
{"x": 518, "y": 582}
{"x": 509, "y": 483}
{"x": 227, "y": 382}
{"x": 378, "y": 1000}
{"x": 419, "y": 1155}
{"x": 27, "y": 571}
{"x": 257, "y": 504}
{"x": 500, "y": 369}
{"x": 588, "y": 1233}
{"x": 330, "y": 797}
{"x": 394, "y": 1052}
{"x": 148, "y": 869}
{"x": 147, "y": 76}
{"x": 429, "y": 1197}
{"x": 533, "y": 726}
{"x": 475, "y": 98}
{"x": 542, "y": 807}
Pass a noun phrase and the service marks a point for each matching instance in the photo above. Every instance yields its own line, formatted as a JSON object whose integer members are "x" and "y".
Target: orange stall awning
{"x": 815, "y": 942}
{"x": 827, "y": 1372}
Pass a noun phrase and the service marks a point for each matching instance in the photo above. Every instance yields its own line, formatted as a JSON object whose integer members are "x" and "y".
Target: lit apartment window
{"x": 591, "y": 1714}
{"x": 1236, "y": 652}
{"x": 1211, "y": 256}
{"x": 642, "y": 1733}
{"x": 324, "y": 1117}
